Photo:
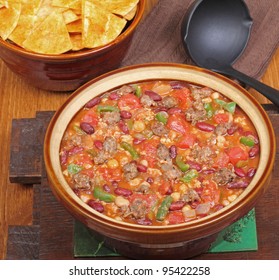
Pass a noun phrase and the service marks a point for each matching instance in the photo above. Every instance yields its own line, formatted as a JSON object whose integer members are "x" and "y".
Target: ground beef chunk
{"x": 168, "y": 102}
{"x": 190, "y": 196}
{"x": 82, "y": 181}
{"x": 202, "y": 155}
{"x": 110, "y": 145}
{"x": 139, "y": 208}
{"x": 193, "y": 115}
{"x": 146, "y": 101}
{"x": 159, "y": 129}
{"x": 130, "y": 171}
{"x": 126, "y": 90}
{"x": 171, "y": 172}
{"x": 111, "y": 117}
{"x": 163, "y": 152}
{"x": 224, "y": 176}
{"x": 101, "y": 157}
{"x": 200, "y": 93}
{"x": 222, "y": 128}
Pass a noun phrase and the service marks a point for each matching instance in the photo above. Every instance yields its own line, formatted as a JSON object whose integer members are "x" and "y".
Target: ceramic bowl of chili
{"x": 68, "y": 71}
{"x": 177, "y": 226}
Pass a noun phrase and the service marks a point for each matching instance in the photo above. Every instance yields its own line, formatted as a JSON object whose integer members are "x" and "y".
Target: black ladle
{"x": 215, "y": 33}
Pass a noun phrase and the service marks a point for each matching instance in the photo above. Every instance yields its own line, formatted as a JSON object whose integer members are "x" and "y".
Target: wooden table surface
{"x": 20, "y": 100}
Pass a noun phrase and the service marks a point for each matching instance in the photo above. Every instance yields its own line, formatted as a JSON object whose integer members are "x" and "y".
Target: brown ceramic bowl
{"x": 172, "y": 241}
{"x": 67, "y": 72}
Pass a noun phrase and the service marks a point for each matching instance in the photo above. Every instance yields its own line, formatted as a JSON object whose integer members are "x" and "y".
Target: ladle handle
{"x": 269, "y": 92}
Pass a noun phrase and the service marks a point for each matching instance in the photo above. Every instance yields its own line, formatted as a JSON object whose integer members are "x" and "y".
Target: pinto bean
{"x": 93, "y": 102}
{"x": 87, "y": 127}
{"x": 123, "y": 192}
{"x": 203, "y": 126}
{"x": 153, "y": 95}
{"x": 98, "y": 206}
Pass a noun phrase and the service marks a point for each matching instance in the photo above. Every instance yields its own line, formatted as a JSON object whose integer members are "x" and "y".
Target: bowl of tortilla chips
{"x": 59, "y": 45}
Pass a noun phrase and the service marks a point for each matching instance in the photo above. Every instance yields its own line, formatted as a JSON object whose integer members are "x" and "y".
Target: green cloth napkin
{"x": 240, "y": 236}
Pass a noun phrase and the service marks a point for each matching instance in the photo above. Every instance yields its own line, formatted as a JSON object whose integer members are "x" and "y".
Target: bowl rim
{"x": 84, "y": 52}
{"x": 223, "y": 216}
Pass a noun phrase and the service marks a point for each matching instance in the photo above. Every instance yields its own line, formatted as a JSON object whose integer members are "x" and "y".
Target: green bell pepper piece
{"x": 164, "y": 208}
{"x": 161, "y": 117}
{"x": 247, "y": 141}
{"x": 74, "y": 168}
{"x": 129, "y": 148}
{"x": 189, "y": 176}
{"x": 102, "y": 195}
{"x": 107, "y": 108}
{"x": 209, "y": 109}
{"x": 181, "y": 164}
{"x": 230, "y": 106}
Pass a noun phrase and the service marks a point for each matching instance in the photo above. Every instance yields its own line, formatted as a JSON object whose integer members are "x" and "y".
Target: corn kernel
{"x": 139, "y": 126}
{"x": 112, "y": 163}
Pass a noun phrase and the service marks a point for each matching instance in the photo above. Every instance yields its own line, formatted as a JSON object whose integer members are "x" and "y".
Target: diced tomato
{"x": 236, "y": 154}
{"x": 91, "y": 117}
{"x": 210, "y": 193}
{"x": 111, "y": 174}
{"x": 82, "y": 158}
{"x": 149, "y": 149}
{"x": 176, "y": 218}
{"x": 222, "y": 160}
{"x": 178, "y": 123}
{"x": 164, "y": 188}
{"x": 186, "y": 141}
{"x": 182, "y": 96}
{"x": 221, "y": 118}
{"x": 128, "y": 102}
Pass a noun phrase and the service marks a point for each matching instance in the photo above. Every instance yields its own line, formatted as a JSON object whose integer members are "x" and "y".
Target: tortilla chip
{"x": 99, "y": 26}
{"x": 75, "y": 26}
{"x": 72, "y": 4}
{"x": 119, "y": 7}
{"x": 9, "y": 19}
{"x": 50, "y": 36}
{"x": 69, "y": 16}
{"x": 131, "y": 14}
{"x": 23, "y": 29}
{"x": 76, "y": 42}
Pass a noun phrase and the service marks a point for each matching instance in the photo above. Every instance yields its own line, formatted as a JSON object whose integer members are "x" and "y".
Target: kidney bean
{"x": 173, "y": 151}
{"x": 254, "y": 151}
{"x": 208, "y": 171}
{"x": 96, "y": 205}
{"x": 63, "y": 157}
{"x": 153, "y": 95}
{"x": 203, "y": 126}
{"x": 238, "y": 184}
{"x": 87, "y": 127}
{"x": 150, "y": 180}
{"x": 194, "y": 165}
{"x": 251, "y": 172}
{"x": 141, "y": 168}
{"x": 177, "y": 205}
{"x": 123, "y": 127}
{"x": 137, "y": 141}
{"x": 93, "y": 102}
{"x": 239, "y": 172}
{"x": 114, "y": 184}
{"x": 98, "y": 144}
{"x": 160, "y": 109}
{"x": 144, "y": 222}
{"x": 174, "y": 110}
{"x": 178, "y": 85}
{"x": 75, "y": 150}
{"x": 125, "y": 114}
{"x": 114, "y": 96}
{"x": 106, "y": 188}
{"x": 123, "y": 191}
{"x": 232, "y": 129}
